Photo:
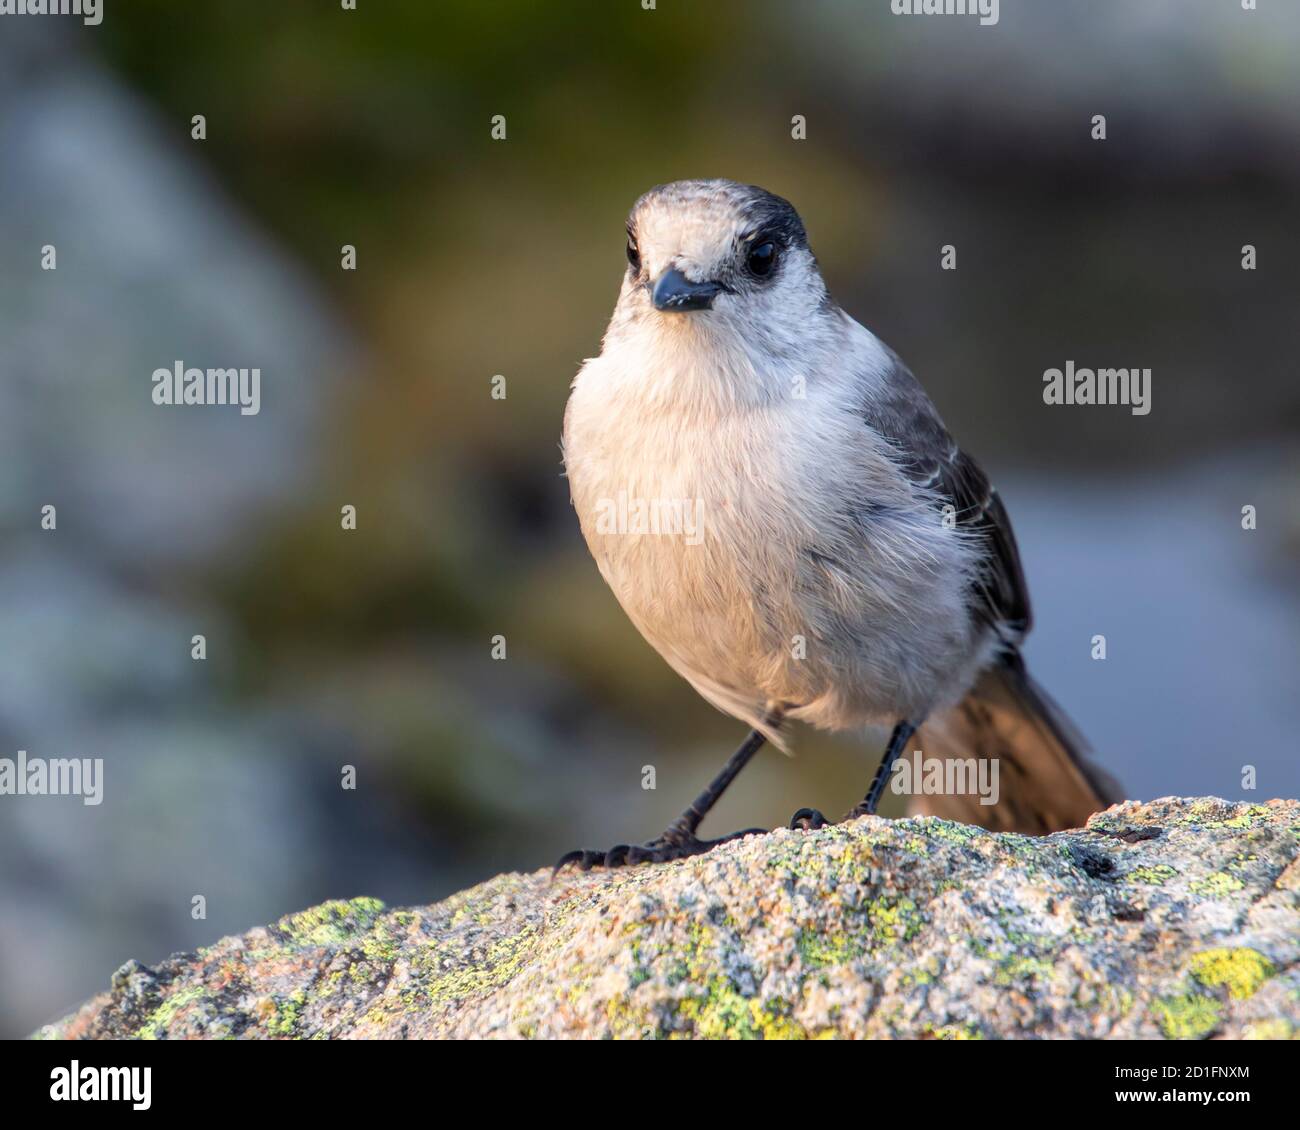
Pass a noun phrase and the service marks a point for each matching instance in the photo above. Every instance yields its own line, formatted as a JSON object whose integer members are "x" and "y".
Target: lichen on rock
{"x": 1176, "y": 919}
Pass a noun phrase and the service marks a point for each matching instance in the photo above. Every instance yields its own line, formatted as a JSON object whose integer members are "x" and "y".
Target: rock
{"x": 1178, "y": 918}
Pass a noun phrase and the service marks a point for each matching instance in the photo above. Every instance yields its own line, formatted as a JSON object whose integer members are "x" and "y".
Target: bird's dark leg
{"x": 679, "y": 839}
{"x": 897, "y": 740}
{"x": 810, "y": 818}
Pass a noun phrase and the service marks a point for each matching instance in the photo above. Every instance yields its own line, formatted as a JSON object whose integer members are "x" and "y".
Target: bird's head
{"x": 719, "y": 257}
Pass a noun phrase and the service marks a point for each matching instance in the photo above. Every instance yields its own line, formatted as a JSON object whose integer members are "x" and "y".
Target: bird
{"x": 780, "y": 511}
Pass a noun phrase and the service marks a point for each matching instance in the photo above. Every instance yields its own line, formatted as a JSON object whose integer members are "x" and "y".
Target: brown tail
{"x": 1045, "y": 781}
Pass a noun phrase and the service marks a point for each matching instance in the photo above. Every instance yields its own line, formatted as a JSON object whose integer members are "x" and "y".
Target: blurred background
{"x": 478, "y": 257}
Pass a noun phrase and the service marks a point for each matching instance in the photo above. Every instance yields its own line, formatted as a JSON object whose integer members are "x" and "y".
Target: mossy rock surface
{"x": 1178, "y": 918}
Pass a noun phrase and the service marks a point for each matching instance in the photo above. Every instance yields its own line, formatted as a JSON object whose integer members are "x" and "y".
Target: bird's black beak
{"x": 674, "y": 291}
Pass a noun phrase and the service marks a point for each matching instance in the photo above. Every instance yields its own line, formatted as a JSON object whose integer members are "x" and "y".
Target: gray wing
{"x": 1051, "y": 782}
{"x": 900, "y": 410}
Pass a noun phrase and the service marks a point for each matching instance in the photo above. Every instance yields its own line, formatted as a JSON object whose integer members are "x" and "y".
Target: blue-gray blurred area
{"x": 372, "y": 648}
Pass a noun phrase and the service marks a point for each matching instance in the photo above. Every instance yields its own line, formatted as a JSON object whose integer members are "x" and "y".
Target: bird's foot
{"x": 675, "y": 843}
{"x": 809, "y": 819}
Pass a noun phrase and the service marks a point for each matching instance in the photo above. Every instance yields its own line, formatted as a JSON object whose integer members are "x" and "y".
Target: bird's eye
{"x": 761, "y": 258}
{"x": 633, "y": 252}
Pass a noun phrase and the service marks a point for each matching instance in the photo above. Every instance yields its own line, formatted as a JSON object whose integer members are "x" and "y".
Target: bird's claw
{"x": 662, "y": 849}
{"x": 809, "y": 819}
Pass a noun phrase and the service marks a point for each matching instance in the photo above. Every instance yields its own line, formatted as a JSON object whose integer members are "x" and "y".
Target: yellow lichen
{"x": 1154, "y": 876}
{"x": 1188, "y": 1017}
{"x": 1240, "y": 970}
{"x": 1217, "y": 885}
{"x": 1277, "y": 1028}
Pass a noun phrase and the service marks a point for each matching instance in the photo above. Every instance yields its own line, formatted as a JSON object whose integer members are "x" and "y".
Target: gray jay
{"x": 780, "y": 511}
